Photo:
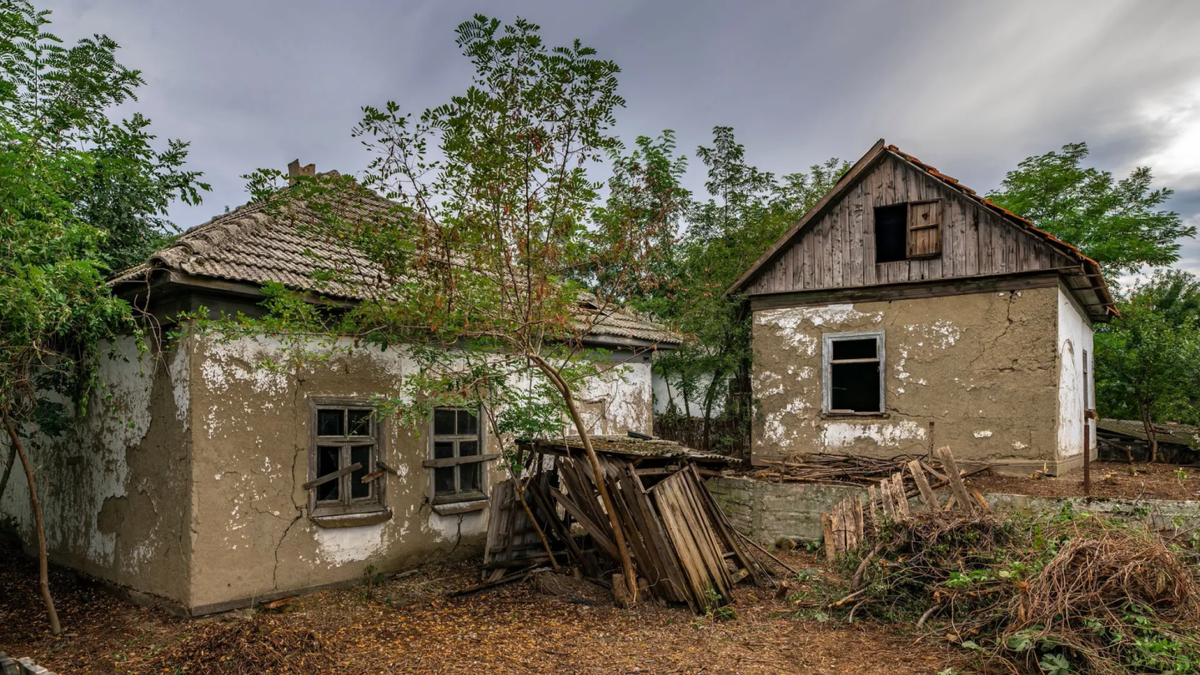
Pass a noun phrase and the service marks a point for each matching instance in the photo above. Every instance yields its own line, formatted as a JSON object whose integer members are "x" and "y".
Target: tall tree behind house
{"x": 80, "y": 196}
{"x": 746, "y": 210}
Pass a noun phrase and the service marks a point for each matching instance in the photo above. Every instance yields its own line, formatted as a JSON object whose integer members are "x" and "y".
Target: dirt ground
{"x": 408, "y": 625}
{"x": 1109, "y": 479}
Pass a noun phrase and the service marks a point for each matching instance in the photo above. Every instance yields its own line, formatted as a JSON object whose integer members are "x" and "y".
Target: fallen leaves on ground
{"x": 408, "y": 625}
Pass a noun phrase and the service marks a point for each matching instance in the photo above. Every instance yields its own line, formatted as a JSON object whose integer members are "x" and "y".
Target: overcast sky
{"x": 970, "y": 87}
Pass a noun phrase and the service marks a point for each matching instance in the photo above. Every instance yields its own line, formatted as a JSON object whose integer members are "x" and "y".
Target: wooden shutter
{"x": 925, "y": 229}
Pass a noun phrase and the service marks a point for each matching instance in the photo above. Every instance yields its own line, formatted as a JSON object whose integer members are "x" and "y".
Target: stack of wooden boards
{"x": 843, "y": 526}
{"x": 832, "y": 469}
{"x": 683, "y": 548}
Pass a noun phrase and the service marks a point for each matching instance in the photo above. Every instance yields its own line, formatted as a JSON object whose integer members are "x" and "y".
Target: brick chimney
{"x": 294, "y": 170}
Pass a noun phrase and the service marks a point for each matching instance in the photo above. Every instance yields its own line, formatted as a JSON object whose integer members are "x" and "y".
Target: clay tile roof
{"x": 251, "y": 246}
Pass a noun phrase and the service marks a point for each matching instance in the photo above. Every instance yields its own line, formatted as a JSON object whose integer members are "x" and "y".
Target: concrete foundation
{"x": 767, "y": 511}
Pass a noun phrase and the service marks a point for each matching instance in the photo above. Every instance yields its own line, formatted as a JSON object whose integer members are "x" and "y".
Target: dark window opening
{"x": 891, "y": 233}
{"x": 854, "y": 373}
{"x": 908, "y": 231}
{"x": 457, "y": 460}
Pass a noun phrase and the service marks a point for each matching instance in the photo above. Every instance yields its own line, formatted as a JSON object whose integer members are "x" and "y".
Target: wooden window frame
{"x": 911, "y": 227}
{"x": 827, "y": 362}
{"x": 348, "y": 510}
{"x": 455, "y": 462}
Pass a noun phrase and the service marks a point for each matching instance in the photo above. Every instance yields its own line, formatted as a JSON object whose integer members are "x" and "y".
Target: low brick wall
{"x": 26, "y": 666}
{"x": 767, "y": 511}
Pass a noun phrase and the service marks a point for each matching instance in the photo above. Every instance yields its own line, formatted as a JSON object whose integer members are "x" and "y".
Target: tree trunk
{"x": 43, "y": 559}
{"x": 12, "y": 456}
{"x": 597, "y": 472}
{"x": 1151, "y": 435}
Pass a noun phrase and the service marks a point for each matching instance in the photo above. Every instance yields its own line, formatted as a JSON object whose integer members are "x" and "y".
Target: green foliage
{"x": 747, "y": 211}
{"x": 1146, "y": 360}
{"x": 80, "y": 195}
{"x": 492, "y": 259}
{"x": 1117, "y": 223}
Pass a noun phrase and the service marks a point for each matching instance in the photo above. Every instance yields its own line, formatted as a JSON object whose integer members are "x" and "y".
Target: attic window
{"x": 853, "y": 373}
{"x": 908, "y": 231}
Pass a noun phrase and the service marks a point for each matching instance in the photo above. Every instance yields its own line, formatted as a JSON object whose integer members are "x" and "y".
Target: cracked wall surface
{"x": 983, "y": 367}
{"x": 250, "y": 528}
{"x": 114, "y": 489}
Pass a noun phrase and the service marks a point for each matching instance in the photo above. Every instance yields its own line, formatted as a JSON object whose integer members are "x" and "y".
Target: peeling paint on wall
{"x": 846, "y": 434}
{"x": 340, "y": 545}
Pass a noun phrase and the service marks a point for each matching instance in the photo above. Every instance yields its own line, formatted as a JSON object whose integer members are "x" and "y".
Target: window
{"x": 457, "y": 461}
{"x": 908, "y": 231}
{"x": 344, "y": 448}
{"x": 853, "y": 373}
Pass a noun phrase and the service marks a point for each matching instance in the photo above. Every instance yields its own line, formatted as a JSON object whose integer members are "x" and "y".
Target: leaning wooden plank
{"x": 597, "y": 534}
{"x": 871, "y": 507}
{"x": 664, "y": 557}
{"x": 725, "y": 531}
{"x": 710, "y": 565}
{"x": 689, "y": 563}
{"x": 702, "y": 528}
{"x": 956, "y": 483}
{"x": 827, "y": 532}
{"x": 885, "y": 503}
{"x": 927, "y": 495}
{"x": 899, "y": 494}
{"x": 497, "y": 520}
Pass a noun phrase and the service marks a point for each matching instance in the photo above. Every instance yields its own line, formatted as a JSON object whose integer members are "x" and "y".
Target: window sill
{"x": 331, "y": 520}
{"x": 455, "y": 508}
{"x": 856, "y": 415}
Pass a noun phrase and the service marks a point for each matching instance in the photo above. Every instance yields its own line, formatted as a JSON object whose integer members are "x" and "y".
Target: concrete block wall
{"x": 766, "y": 511}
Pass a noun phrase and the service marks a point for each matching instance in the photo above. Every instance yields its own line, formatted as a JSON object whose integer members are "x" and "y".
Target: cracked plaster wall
{"x": 250, "y": 528}
{"x": 114, "y": 488}
{"x": 983, "y": 367}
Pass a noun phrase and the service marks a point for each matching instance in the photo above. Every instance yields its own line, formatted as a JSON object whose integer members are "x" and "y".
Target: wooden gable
{"x": 950, "y": 235}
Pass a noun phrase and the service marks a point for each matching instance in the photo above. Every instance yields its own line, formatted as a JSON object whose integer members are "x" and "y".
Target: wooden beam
{"x": 332, "y": 476}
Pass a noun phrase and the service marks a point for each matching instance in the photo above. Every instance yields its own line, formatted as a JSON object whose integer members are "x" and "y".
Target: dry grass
{"x": 1105, "y": 596}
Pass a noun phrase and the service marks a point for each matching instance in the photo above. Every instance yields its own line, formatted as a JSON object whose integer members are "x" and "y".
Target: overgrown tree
{"x": 79, "y": 195}
{"x": 1146, "y": 360}
{"x": 747, "y": 211}
{"x": 1117, "y": 223}
{"x": 477, "y": 269}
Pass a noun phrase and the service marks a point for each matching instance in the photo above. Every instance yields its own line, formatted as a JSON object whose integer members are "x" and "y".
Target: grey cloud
{"x": 971, "y": 88}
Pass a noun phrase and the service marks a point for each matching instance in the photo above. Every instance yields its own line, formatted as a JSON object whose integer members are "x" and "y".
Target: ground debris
{"x": 263, "y": 644}
{"x": 1062, "y": 590}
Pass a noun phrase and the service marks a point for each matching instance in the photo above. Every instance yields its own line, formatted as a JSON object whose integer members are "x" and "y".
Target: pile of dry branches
{"x": 1063, "y": 591}
{"x": 246, "y": 647}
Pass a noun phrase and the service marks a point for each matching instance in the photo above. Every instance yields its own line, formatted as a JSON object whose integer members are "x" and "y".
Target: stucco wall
{"x": 1074, "y": 339}
{"x": 250, "y": 530}
{"x": 114, "y": 490}
{"x": 983, "y": 367}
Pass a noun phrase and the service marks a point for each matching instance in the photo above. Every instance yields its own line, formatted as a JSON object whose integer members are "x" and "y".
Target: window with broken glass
{"x": 853, "y": 373}
{"x": 458, "y": 460}
{"x": 343, "y": 475}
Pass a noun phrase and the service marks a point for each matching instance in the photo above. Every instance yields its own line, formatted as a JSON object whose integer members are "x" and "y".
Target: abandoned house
{"x": 206, "y": 482}
{"x": 904, "y": 311}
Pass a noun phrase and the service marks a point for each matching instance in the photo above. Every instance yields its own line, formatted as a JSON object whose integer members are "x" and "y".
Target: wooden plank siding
{"x": 837, "y": 250}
